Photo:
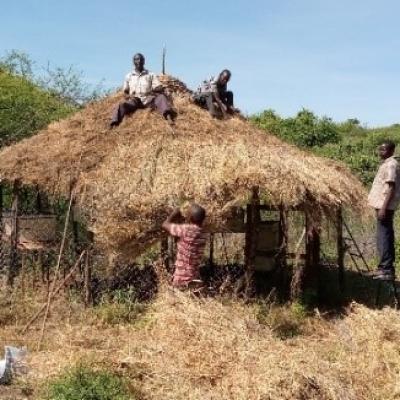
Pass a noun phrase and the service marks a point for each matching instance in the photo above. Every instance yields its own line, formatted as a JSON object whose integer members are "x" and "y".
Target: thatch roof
{"x": 128, "y": 178}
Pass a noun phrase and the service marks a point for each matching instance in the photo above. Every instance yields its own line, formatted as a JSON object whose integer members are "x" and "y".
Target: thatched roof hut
{"x": 128, "y": 178}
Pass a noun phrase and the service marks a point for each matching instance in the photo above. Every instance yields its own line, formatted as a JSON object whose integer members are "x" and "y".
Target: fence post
{"x": 340, "y": 248}
{"x": 253, "y": 218}
{"x": 308, "y": 276}
{"x": 88, "y": 279}
{"x": 2, "y": 257}
{"x": 12, "y": 271}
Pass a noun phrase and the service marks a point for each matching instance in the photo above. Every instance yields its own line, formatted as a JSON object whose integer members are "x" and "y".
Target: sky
{"x": 338, "y": 58}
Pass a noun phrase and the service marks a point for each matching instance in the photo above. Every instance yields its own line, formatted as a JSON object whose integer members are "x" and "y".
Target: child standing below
{"x": 190, "y": 249}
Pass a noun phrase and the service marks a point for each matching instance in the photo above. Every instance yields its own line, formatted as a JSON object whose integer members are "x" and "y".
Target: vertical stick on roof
{"x": 164, "y": 53}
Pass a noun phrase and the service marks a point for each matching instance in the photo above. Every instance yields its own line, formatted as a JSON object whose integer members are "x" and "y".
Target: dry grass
{"x": 128, "y": 178}
{"x": 187, "y": 348}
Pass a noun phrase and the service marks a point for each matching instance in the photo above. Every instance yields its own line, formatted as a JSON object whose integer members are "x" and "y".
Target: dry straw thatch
{"x": 128, "y": 178}
{"x": 197, "y": 349}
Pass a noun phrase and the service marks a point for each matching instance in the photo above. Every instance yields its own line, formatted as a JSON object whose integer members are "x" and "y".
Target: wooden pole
{"x": 281, "y": 275}
{"x": 308, "y": 275}
{"x": 75, "y": 230}
{"x": 211, "y": 255}
{"x": 340, "y": 248}
{"x": 39, "y": 203}
{"x": 56, "y": 272}
{"x": 88, "y": 280}
{"x": 165, "y": 252}
{"x": 312, "y": 264}
{"x": 164, "y": 54}
{"x": 12, "y": 271}
{"x": 283, "y": 236}
{"x": 253, "y": 219}
{"x": 2, "y": 258}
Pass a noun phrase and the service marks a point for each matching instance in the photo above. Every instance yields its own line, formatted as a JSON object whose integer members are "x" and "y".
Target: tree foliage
{"x": 30, "y": 100}
{"x": 304, "y": 130}
{"x": 347, "y": 141}
{"x": 25, "y": 108}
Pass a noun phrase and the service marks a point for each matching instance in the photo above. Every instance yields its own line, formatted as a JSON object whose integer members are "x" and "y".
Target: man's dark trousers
{"x": 226, "y": 98}
{"x": 159, "y": 102}
{"x": 385, "y": 241}
{"x": 207, "y": 100}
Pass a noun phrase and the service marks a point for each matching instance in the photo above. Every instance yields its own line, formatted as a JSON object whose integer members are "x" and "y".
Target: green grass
{"x": 119, "y": 307}
{"x": 285, "y": 321}
{"x": 85, "y": 383}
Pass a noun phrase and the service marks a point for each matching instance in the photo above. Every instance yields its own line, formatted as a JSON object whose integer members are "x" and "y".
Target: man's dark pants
{"x": 385, "y": 241}
{"x": 207, "y": 100}
{"x": 160, "y": 103}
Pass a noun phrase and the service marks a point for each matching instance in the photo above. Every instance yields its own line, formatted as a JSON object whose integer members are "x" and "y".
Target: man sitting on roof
{"x": 213, "y": 95}
{"x": 192, "y": 240}
{"x": 142, "y": 89}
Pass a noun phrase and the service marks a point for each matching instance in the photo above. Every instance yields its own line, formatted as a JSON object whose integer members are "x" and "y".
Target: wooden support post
{"x": 12, "y": 271}
{"x": 39, "y": 203}
{"x": 88, "y": 280}
{"x": 340, "y": 248}
{"x": 2, "y": 257}
{"x": 211, "y": 256}
{"x": 283, "y": 237}
{"x": 253, "y": 219}
{"x": 281, "y": 276}
{"x": 308, "y": 275}
{"x": 313, "y": 262}
{"x": 165, "y": 253}
{"x": 75, "y": 231}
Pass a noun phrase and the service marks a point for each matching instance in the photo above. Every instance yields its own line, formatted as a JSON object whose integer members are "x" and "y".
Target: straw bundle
{"x": 128, "y": 178}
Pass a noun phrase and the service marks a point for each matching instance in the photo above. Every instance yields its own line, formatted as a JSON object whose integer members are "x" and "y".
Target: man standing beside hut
{"x": 142, "y": 89}
{"x": 384, "y": 197}
{"x": 190, "y": 249}
{"x": 213, "y": 95}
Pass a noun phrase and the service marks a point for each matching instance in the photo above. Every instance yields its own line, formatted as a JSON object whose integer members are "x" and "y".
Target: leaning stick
{"x": 56, "y": 272}
{"x": 52, "y": 294}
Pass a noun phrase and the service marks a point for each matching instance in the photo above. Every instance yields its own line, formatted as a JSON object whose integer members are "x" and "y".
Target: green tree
{"x": 29, "y": 101}
{"x": 26, "y": 108}
{"x": 304, "y": 130}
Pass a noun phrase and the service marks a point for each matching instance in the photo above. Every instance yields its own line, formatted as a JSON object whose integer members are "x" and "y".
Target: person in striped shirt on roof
{"x": 191, "y": 243}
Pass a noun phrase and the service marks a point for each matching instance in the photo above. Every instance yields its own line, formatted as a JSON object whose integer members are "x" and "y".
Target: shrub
{"x": 84, "y": 383}
{"x": 305, "y": 129}
{"x": 285, "y": 321}
{"x": 119, "y": 306}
